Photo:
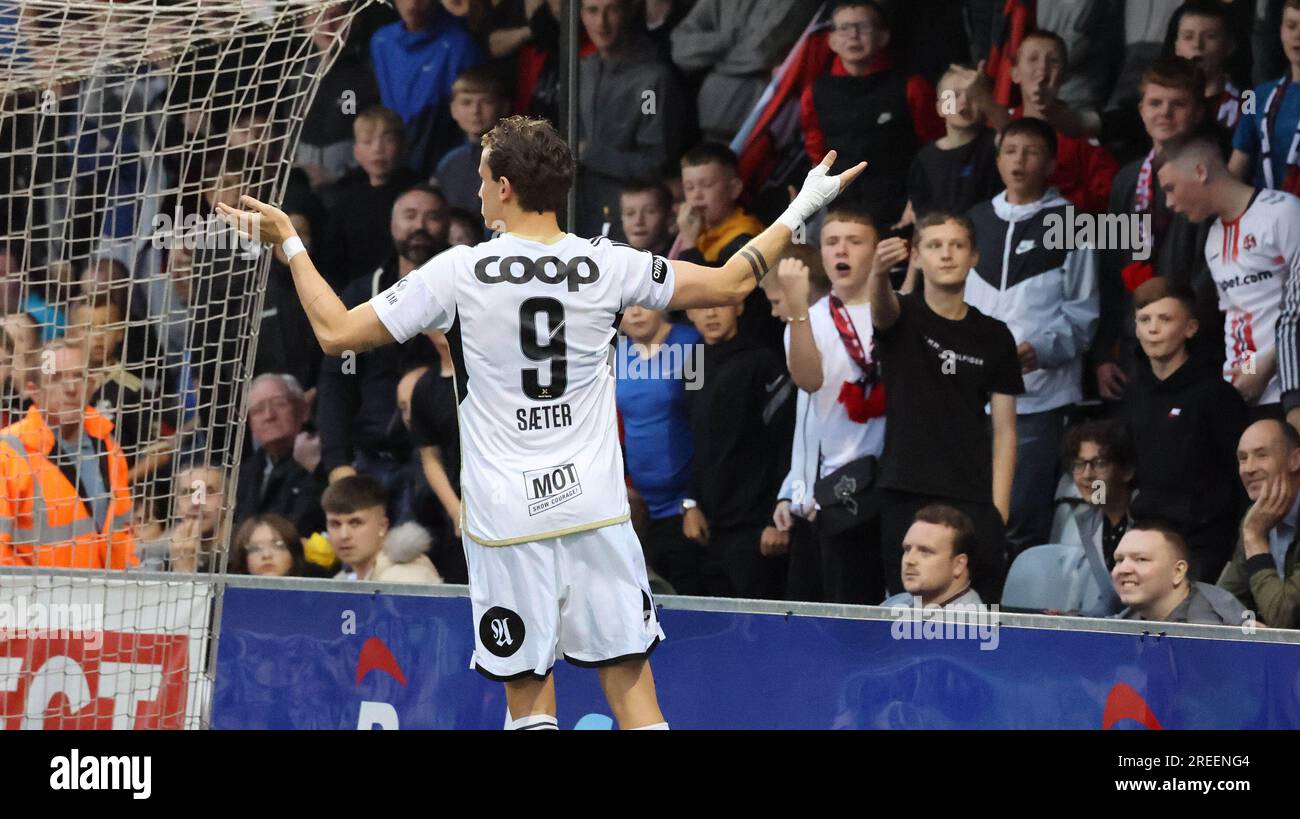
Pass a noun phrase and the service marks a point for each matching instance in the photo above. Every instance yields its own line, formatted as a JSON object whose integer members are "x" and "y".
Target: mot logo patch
{"x": 550, "y": 487}
{"x": 501, "y": 631}
{"x": 647, "y": 607}
{"x": 659, "y": 270}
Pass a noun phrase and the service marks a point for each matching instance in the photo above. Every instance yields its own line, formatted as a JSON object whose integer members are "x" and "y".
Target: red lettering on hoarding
{"x": 96, "y": 681}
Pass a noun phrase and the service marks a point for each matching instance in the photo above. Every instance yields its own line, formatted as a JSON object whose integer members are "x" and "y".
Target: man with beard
{"x": 360, "y": 426}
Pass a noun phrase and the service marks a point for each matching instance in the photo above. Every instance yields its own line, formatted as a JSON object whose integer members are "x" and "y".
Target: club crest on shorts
{"x": 501, "y": 631}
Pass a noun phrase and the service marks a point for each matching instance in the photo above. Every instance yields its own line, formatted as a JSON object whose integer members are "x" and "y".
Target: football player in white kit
{"x": 555, "y": 567}
{"x": 1253, "y": 251}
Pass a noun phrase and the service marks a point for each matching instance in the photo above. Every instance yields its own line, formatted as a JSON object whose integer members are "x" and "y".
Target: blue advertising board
{"x": 313, "y": 659}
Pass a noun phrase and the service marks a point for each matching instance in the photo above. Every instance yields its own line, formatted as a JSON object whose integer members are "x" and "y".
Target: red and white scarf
{"x": 1229, "y": 110}
{"x": 1135, "y": 272}
{"x": 863, "y": 399}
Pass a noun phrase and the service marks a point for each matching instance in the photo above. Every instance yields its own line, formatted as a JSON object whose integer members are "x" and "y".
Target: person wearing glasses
{"x": 65, "y": 500}
{"x": 268, "y": 546}
{"x": 272, "y": 480}
{"x": 1185, "y": 421}
{"x": 1098, "y": 456}
{"x": 865, "y": 109}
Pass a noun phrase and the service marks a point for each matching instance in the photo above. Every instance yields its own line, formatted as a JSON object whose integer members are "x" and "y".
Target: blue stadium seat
{"x": 1059, "y": 577}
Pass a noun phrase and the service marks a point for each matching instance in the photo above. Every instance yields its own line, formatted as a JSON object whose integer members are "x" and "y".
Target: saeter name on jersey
{"x": 534, "y": 418}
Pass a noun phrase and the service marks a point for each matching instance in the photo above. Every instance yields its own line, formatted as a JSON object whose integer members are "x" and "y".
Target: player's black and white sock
{"x": 533, "y": 722}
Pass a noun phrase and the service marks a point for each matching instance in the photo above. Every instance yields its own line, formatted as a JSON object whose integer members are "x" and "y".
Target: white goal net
{"x": 129, "y": 324}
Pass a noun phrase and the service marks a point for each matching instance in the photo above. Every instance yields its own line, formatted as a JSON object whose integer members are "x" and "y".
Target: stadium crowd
{"x": 994, "y": 371}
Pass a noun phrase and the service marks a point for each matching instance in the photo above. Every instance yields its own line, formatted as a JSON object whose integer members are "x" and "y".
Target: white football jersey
{"x": 1255, "y": 262}
{"x": 529, "y": 325}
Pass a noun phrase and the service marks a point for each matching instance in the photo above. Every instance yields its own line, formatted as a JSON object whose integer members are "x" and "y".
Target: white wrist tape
{"x": 818, "y": 191}
{"x": 292, "y": 247}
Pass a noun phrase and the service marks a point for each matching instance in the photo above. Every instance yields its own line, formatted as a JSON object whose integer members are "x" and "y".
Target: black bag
{"x": 845, "y": 497}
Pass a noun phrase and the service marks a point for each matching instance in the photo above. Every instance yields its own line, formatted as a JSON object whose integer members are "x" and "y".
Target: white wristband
{"x": 793, "y": 218}
{"x": 292, "y": 247}
{"x": 818, "y": 191}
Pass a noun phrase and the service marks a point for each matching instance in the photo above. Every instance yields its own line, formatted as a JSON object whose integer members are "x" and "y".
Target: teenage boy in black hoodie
{"x": 743, "y": 421}
{"x": 1185, "y": 421}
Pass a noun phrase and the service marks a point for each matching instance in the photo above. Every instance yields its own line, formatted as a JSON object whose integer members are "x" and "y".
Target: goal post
{"x": 122, "y": 124}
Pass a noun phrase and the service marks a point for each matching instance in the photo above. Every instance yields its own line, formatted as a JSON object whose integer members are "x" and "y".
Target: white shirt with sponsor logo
{"x": 1255, "y": 263}
{"x": 529, "y": 325}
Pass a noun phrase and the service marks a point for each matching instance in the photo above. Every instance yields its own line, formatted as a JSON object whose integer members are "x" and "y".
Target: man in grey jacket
{"x": 738, "y": 42}
{"x": 629, "y": 115}
{"x": 1151, "y": 579}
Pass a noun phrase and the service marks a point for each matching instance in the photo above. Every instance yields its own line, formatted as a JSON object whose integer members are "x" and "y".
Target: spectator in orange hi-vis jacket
{"x": 64, "y": 495}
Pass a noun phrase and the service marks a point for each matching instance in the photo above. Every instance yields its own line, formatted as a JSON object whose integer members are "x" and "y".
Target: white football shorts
{"x": 584, "y": 597}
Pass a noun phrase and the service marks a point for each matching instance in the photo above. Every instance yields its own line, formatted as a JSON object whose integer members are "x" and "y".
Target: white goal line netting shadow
{"x": 127, "y": 303}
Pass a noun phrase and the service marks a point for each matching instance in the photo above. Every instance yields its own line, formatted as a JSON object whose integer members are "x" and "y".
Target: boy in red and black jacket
{"x": 865, "y": 109}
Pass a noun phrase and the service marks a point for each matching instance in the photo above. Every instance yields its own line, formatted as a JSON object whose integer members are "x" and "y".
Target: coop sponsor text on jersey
{"x": 576, "y": 272}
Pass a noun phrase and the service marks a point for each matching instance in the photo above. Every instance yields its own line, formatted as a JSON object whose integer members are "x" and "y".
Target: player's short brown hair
{"x": 1178, "y": 73}
{"x": 352, "y": 494}
{"x": 534, "y": 157}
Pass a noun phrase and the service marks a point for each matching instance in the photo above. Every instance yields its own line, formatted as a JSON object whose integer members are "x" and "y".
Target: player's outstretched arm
{"x": 336, "y": 327}
{"x": 700, "y": 286}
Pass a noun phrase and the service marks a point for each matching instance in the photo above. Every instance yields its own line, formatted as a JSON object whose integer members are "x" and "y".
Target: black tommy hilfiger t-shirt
{"x": 938, "y": 375}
